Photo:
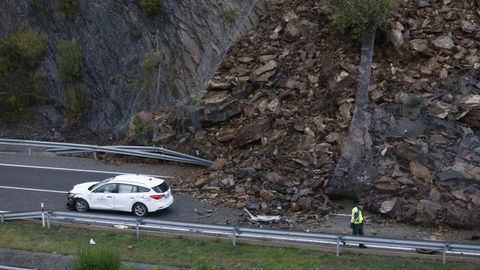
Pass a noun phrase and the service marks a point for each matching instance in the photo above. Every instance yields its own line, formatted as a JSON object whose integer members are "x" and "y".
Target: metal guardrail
{"x": 139, "y": 151}
{"x": 235, "y": 233}
{"x": 4, "y": 267}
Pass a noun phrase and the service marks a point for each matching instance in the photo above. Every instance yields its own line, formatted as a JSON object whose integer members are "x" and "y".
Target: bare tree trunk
{"x": 355, "y": 159}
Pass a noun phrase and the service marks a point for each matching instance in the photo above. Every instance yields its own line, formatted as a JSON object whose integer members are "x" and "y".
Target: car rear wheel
{"x": 139, "y": 210}
{"x": 81, "y": 205}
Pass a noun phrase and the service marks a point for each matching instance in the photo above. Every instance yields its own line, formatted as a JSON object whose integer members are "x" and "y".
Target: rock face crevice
{"x": 188, "y": 37}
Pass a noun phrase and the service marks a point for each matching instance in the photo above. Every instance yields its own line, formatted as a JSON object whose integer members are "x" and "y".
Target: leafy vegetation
{"x": 70, "y": 59}
{"x": 360, "y": 15}
{"x": 77, "y": 102}
{"x": 97, "y": 258}
{"x": 20, "y": 85}
{"x": 201, "y": 254}
{"x": 229, "y": 17}
{"x": 24, "y": 47}
{"x": 151, "y": 62}
{"x": 70, "y": 8}
{"x": 140, "y": 126}
{"x": 150, "y": 7}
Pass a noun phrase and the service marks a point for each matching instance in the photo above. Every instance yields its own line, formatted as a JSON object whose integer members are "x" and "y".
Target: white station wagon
{"x": 139, "y": 194}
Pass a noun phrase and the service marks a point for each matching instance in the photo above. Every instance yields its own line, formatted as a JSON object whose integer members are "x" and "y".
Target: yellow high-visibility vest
{"x": 357, "y": 219}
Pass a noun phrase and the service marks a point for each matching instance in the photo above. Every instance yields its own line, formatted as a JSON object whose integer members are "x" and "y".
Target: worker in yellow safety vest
{"x": 357, "y": 223}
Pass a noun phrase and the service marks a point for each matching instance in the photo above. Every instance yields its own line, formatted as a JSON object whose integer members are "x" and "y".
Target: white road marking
{"x": 342, "y": 215}
{"x": 4, "y": 212}
{"x": 73, "y": 170}
{"x": 34, "y": 189}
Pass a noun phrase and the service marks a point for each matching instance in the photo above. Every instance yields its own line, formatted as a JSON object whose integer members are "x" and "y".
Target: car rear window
{"x": 163, "y": 187}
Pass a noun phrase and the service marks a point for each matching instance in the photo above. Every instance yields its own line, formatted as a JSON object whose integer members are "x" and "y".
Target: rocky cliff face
{"x": 277, "y": 112}
{"x": 186, "y": 39}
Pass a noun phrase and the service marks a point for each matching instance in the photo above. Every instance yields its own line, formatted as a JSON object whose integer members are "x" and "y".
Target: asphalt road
{"x": 28, "y": 181}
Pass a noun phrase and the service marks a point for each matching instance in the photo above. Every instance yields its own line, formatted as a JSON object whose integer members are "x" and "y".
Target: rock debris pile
{"x": 275, "y": 115}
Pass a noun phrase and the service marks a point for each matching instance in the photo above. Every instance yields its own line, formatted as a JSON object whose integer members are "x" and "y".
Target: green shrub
{"x": 97, "y": 258}
{"x": 151, "y": 62}
{"x": 135, "y": 29}
{"x": 77, "y": 101}
{"x": 229, "y": 16}
{"x": 70, "y": 61}
{"x": 150, "y": 7}
{"x": 26, "y": 46}
{"x": 140, "y": 126}
{"x": 359, "y": 15}
{"x": 70, "y": 8}
{"x": 20, "y": 85}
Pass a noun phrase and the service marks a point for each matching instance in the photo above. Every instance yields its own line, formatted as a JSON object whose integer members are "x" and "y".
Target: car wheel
{"x": 81, "y": 205}
{"x": 139, "y": 210}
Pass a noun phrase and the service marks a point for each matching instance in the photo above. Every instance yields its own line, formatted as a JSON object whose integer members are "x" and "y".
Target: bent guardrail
{"x": 235, "y": 233}
{"x": 138, "y": 151}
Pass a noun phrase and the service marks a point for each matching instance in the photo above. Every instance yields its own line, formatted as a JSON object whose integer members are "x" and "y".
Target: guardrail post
{"x": 338, "y": 246}
{"x": 234, "y": 236}
{"x": 445, "y": 248}
{"x": 137, "y": 227}
{"x": 29, "y": 151}
{"x": 2, "y": 218}
{"x": 48, "y": 219}
{"x": 43, "y": 215}
{"x": 95, "y": 156}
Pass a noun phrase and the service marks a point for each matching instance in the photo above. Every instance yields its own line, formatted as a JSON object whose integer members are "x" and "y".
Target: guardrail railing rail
{"x": 138, "y": 151}
{"x": 235, "y": 233}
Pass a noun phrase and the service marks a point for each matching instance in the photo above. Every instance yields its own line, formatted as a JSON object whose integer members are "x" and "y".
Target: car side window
{"x": 122, "y": 188}
{"x": 109, "y": 188}
{"x": 142, "y": 189}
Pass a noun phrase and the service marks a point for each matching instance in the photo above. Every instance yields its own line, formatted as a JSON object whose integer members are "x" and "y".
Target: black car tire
{"x": 81, "y": 205}
{"x": 140, "y": 210}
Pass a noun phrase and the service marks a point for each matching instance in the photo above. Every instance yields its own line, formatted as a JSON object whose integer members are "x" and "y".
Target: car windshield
{"x": 100, "y": 183}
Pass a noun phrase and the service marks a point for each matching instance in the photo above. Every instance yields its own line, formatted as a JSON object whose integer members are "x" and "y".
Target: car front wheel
{"x": 81, "y": 205}
{"x": 139, "y": 210}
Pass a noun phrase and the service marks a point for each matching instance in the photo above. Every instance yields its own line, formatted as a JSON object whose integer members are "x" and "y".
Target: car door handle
{"x": 109, "y": 196}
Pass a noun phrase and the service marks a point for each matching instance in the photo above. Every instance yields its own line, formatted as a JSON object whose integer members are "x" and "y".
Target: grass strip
{"x": 199, "y": 253}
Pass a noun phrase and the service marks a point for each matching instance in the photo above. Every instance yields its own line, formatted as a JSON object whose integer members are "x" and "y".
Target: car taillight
{"x": 157, "y": 197}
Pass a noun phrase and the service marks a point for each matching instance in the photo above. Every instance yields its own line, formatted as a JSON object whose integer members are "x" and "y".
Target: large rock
{"x": 299, "y": 27}
{"x": 419, "y": 45}
{"x": 219, "y": 106}
{"x": 461, "y": 170}
{"x": 420, "y": 172}
{"x": 427, "y": 212}
{"x": 388, "y": 206}
{"x": 444, "y": 42}
{"x": 251, "y": 132}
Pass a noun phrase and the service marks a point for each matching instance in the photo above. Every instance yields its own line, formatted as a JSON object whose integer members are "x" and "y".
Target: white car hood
{"x": 83, "y": 187}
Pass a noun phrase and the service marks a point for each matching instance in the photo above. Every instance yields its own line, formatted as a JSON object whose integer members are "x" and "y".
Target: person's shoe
{"x": 362, "y": 246}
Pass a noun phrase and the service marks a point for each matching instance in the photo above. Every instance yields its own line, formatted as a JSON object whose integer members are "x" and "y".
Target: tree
{"x": 361, "y": 18}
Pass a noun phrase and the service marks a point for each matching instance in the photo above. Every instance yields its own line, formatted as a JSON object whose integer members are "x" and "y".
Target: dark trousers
{"x": 357, "y": 229}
